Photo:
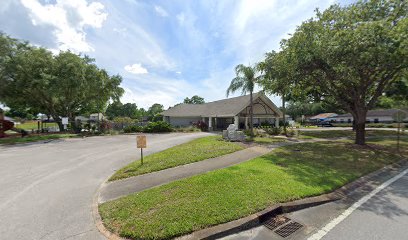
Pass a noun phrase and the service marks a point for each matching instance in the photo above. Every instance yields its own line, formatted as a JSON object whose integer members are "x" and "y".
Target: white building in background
{"x": 96, "y": 117}
{"x": 373, "y": 116}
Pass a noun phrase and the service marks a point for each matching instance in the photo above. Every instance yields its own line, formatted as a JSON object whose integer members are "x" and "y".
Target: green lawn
{"x": 193, "y": 151}
{"x": 343, "y": 133}
{"x": 13, "y": 140}
{"x": 288, "y": 173}
{"x": 266, "y": 140}
{"x": 30, "y": 125}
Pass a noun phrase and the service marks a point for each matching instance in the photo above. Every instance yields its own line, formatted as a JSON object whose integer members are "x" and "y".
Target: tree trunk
{"x": 251, "y": 123}
{"x": 284, "y": 114}
{"x": 360, "y": 120}
{"x": 58, "y": 120}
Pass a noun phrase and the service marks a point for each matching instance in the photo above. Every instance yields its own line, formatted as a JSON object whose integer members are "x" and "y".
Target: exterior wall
{"x": 380, "y": 119}
{"x": 182, "y": 121}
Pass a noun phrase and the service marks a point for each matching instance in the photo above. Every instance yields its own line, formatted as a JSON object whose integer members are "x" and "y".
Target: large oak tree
{"x": 351, "y": 55}
{"x": 62, "y": 85}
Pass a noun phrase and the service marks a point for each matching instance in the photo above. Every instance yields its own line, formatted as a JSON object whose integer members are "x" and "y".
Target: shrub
{"x": 290, "y": 132}
{"x": 124, "y": 120}
{"x": 201, "y": 125}
{"x": 273, "y": 130}
{"x": 187, "y": 129}
{"x": 156, "y": 127}
{"x": 133, "y": 129}
{"x": 105, "y": 126}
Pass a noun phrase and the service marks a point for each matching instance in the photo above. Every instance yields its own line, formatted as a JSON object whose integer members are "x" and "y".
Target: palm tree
{"x": 245, "y": 81}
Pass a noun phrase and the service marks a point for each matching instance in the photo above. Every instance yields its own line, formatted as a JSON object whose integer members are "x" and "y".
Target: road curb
{"x": 97, "y": 217}
{"x": 258, "y": 218}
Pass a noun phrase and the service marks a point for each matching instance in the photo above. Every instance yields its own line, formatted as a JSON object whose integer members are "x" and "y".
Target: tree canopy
{"x": 348, "y": 55}
{"x": 62, "y": 85}
{"x": 194, "y": 100}
{"x": 118, "y": 109}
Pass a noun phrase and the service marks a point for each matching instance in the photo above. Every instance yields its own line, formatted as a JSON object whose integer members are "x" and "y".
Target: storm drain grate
{"x": 276, "y": 222}
{"x": 288, "y": 229}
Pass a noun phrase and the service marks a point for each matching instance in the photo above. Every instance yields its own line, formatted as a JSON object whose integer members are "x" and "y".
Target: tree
{"x": 154, "y": 112}
{"x": 296, "y": 109}
{"x": 194, "y": 100}
{"x": 117, "y": 109}
{"x": 245, "y": 81}
{"x": 63, "y": 85}
{"x": 276, "y": 78}
{"x": 350, "y": 55}
{"x": 396, "y": 96}
{"x": 20, "y": 113}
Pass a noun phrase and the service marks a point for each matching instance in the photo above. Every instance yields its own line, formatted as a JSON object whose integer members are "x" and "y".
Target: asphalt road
{"x": 384, "y": 216}
{"x": 47, "y": 189}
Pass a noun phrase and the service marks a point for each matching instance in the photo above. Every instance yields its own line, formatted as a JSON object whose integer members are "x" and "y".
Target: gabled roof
{"x": 222, "y": 108}
{"x": 323, "y": 116}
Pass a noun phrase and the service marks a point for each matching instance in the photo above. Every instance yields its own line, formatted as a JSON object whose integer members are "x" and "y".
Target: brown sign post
{"x": 141, "y": 143}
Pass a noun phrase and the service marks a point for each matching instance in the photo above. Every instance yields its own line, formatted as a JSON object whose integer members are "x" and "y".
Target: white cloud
{"x": 161, "y": 11}
{"x": 149, "y": 89}
{"x": 136, "y": 69}
{"x": 69, "y": 18}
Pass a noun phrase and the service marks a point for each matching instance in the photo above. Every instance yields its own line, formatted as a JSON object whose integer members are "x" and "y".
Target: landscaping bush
{"x": 133, "y": 129}
{"x": 105, "y": 126}
{"x": 157, "y": 118}
{"x": 156, "y": 127}
{"x": 201, "y": 125}
{"x": 187, "y": 129}
{"x": 273, "y": 130}
{"x": 290, "y": 132}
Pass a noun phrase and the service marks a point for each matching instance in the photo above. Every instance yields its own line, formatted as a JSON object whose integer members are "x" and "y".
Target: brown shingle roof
{"x": 323, "y": 115}
{"x": 225, "y": 107}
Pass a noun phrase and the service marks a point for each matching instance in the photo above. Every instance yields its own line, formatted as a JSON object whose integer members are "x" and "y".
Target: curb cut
{"x": 225, "y": 229}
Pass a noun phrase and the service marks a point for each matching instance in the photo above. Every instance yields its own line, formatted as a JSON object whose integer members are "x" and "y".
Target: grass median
{"x": 193, "y": 151}
{"x": 288, "y": 173}
{"x": 35, "y": 138}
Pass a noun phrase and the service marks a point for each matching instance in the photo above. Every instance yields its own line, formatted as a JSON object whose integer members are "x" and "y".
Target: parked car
{"x": 324, "y": 124}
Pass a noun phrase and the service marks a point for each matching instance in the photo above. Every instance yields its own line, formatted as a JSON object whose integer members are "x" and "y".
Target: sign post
{"x": 141, "y": 143}
{"x": 399, "y": 117}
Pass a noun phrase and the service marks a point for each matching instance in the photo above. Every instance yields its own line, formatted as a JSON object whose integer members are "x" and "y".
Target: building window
{"x": 376, "y": 120}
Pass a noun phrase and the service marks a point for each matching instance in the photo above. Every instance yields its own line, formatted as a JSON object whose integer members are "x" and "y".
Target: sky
{"x": 164, "y": 50}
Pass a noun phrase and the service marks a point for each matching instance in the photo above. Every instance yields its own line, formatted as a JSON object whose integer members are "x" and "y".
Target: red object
{"x": 4, "y": 126}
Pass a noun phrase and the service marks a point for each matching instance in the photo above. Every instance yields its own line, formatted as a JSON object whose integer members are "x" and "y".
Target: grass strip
{"x": 35, "y": 138}
{"x": 193, "y": 151}
{"x": 288, "y": 173}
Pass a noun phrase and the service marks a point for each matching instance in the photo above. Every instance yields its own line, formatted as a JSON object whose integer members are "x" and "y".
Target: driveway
{"x": 47, "y": 189}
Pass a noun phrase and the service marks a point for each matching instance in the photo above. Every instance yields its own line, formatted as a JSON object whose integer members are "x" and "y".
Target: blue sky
{"x": 165, "y": 50}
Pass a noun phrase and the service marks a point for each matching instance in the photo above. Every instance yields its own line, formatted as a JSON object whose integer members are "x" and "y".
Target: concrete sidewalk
{"x": 113, "y": 190}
